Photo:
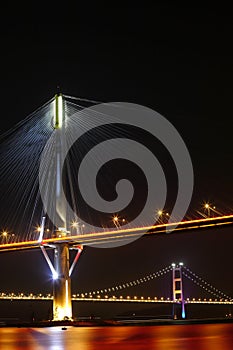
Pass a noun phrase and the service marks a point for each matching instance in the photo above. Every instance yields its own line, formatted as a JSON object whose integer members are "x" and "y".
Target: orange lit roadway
{"x": 119, "y": 299}
{"x": 121, "y": 235}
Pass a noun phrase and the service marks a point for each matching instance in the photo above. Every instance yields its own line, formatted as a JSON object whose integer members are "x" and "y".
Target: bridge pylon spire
{"x": 177, "y": 288}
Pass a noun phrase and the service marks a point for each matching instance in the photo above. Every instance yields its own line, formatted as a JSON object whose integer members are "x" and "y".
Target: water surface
{"x": 174, "y": 337}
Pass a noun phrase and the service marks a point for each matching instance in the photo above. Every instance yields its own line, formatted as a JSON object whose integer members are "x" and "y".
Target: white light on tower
{"x": 55, "y": 275}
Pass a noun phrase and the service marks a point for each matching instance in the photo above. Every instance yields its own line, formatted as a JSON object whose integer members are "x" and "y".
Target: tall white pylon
{"x": 61, "y": 269}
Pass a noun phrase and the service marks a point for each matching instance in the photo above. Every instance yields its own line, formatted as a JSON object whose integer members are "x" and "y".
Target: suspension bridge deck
{"x": 121, "y": 299}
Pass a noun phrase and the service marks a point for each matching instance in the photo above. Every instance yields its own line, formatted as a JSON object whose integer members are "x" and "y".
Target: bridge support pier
{"x": 62, "y": 305}
{"x": 61, "y": 272}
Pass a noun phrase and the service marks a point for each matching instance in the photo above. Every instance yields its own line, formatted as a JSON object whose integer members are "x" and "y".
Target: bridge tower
{"x": 61, "y": 269}
{"x": 177, "y": 288}
{"x": 62, "y": 306}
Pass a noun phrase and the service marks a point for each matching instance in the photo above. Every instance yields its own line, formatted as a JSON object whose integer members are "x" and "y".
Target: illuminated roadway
{"x": 96, "y": 238}
{"x": 106, "y": 298}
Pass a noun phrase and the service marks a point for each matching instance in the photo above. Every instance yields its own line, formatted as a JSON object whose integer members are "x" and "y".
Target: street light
{"x": 115, "y": 220}
{"x": 5, "y": 235}
{"x": 160, "y": 215}
{"x": 207, "y": 208}
{"x": 74, "y": 224}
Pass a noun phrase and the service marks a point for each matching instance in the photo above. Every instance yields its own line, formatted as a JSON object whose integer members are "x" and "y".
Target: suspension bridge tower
{"x": 177, "y": 288}
{"x": 60, "y": 268}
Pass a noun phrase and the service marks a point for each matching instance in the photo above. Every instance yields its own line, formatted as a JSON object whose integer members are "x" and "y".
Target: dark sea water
{"x": 174, "y": 337}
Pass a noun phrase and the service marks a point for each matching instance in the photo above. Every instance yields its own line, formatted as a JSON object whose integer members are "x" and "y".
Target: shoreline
{"x": 114, "y": 323}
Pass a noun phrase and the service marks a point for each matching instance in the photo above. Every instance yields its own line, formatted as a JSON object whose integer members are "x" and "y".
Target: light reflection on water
{"x": 182, "y": 337}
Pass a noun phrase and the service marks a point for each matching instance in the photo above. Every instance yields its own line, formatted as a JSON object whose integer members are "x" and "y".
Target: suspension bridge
{"x": 22, "y": 148}
{"x": 115, "y": 294}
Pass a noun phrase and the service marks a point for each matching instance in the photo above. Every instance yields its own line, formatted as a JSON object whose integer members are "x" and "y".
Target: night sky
{"x": 174, "y": 59}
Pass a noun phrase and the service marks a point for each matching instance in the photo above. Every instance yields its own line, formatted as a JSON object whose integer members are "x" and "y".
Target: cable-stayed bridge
{"x": 28, "y": 197}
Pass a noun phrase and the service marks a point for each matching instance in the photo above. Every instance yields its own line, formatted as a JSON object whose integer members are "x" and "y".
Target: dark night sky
{"x": 175, "y": 59}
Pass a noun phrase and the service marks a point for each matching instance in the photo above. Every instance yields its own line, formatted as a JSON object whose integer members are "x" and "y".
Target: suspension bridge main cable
{"x": 199, "y": 281}
{"x": 133, "y": 283}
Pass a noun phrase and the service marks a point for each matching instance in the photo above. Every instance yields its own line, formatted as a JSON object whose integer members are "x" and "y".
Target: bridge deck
{"x": 96, "y": 238}
{"x": 128, "y": 299}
